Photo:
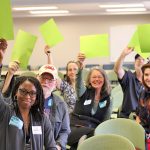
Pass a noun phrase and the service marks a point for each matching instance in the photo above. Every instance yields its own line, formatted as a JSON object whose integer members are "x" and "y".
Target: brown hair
{"x": 143, "y": 70}
{"x": 106, "y": 88}
{"x": 66, "y": 76}
{"x": 3, "y": 44}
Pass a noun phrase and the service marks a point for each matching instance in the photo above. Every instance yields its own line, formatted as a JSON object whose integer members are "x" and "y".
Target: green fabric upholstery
{"x": 124, "y": 127}
{"x": 106, "y": 142}
{"x": 117, "y": 97}
{"x": 28, "y": 73}
{"x": 112, "y": 76}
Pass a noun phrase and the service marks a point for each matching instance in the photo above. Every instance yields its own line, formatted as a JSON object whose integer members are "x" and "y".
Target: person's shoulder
{"x": 129, "y": 74}
{"x": 61, "y": 104}
{"x": 65, "y": 83}
{"x": 57, "y": 99}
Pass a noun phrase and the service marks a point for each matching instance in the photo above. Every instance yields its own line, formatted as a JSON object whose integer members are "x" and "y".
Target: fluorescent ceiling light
{"x": 50, "y": 12}
{"x": 122, "y": 5}
{"x": 126, "y": 10}
{"x": 34, "y": 8}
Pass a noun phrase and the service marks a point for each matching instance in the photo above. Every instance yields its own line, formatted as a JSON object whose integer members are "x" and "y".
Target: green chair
{"x": 28, "y": 73}
{"x": 117, "y": 98}
{"x": 60, "y": 74}
{"x": 124, "y": 127}
{"x": 106, "y": 142}
{"x": 112, "y": 77}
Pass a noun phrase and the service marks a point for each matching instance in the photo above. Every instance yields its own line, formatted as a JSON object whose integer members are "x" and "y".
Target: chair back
{"x": 117, "y": 96}
{"x": 28, "y": 73}
{"x": 124, "y": 127}
{"x": 106, "y": 142}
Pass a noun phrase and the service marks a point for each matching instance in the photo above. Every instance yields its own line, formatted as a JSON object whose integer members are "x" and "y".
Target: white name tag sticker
{"x": 36, "y": 130}
{"x": 87, "y": 102}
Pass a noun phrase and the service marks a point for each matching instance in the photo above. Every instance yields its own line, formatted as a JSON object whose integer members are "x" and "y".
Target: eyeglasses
{"x": 25, "y": 92}
{"x": 97, "y": 77}
{"x": 45, "y": 78}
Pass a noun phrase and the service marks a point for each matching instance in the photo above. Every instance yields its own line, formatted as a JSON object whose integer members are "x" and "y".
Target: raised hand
{"x": 13, "y": 67}
{"x": 127, "y": 51}
{"x": 81, "y": 57}
{"x": 47, "y": 50}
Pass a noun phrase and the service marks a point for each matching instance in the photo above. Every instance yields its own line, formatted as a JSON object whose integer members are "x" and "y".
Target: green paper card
{"x": 144, "y": 55}
{"x": 23, "y": 48}
{"x": 95, "y": 45}
{"x": 50, "y": 33}
{"x": 144, "y": 37}
{"x": 6, "y": 21}
{"x": 134, "y": 42}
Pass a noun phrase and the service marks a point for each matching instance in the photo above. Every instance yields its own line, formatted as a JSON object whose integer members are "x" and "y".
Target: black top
{"x": 131, "y": 88}
{"x": 82, "y": 114}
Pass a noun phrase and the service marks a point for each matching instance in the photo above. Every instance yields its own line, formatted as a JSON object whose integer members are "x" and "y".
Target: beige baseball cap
{"x": 48, "y": 69}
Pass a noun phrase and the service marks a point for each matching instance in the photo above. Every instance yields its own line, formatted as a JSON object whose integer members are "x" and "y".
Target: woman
{"x": 66, "y": 85}
{"x": 143, "y": 110}
{"x": 23, "y": 124}
{"x": 94, "y": 104}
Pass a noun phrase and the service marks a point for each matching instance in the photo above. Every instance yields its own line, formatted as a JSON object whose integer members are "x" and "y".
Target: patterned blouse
{"x": 69, "y": 94}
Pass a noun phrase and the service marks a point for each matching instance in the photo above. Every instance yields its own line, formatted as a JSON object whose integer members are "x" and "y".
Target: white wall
{"x": 72, "y": 28}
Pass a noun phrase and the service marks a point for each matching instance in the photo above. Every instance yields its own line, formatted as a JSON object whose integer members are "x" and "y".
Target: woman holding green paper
{"x": 66, "y": 85}
{"x": 23, "y": 123}
{"x": 93, "y": 105}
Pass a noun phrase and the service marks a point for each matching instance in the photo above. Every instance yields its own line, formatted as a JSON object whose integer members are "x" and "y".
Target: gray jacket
{"x": 59, "y": 117}
{"x": 13, "y": 138}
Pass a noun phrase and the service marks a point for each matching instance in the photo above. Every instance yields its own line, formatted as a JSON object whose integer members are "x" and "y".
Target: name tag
{"x": 87, "y": 102}
{"x": 15, "y": 121}
{"x": 102, "y": 104}
{"x": 36, "y": 130}
{"x": 50, "y": 102}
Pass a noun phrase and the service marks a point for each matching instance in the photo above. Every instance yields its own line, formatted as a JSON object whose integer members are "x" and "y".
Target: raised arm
{"x": 3, "y": 47}
{"x": 80, "y": 87}
{"x": 119, "y": 63}
{"x": 1, "y": 59}
{"x": 12, "y": 68}
{"x": 49, "y": 55}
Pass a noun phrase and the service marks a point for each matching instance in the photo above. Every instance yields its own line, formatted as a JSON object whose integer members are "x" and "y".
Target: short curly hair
{"x": 3, "y": 44}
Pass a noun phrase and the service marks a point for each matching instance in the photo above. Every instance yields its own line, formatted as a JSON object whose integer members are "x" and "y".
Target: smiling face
{"x": 26, "y": 95}
{"x": 48, "y": 83}
{"x": 146, "y": 77}
{"x": 96, "y": 79}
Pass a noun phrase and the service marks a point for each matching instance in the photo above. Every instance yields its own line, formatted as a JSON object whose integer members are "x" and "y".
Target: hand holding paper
{"x": 140, "y": 42}
{"x": 127, "y": 51}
